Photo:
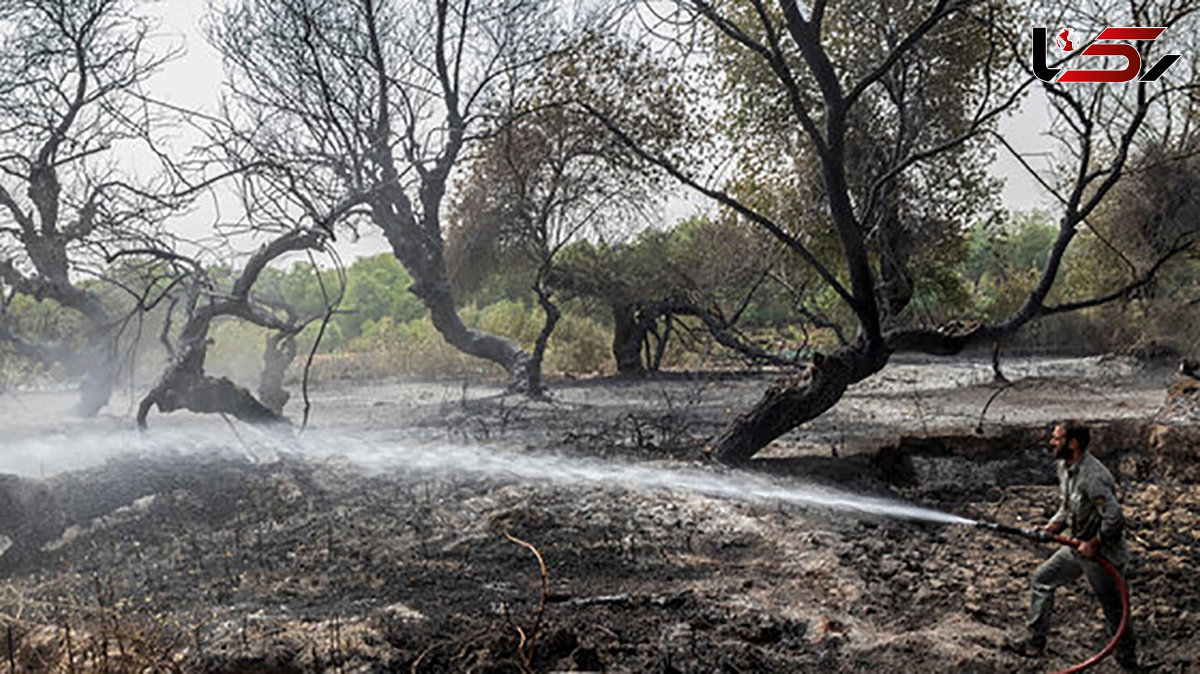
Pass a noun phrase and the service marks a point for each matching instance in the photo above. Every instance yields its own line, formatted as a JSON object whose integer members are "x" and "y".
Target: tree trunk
{"x": 500, "y": 350}
{"x": 794, "y": 399}
{"x": 535, "y": 385}
{"x": 628, "y": 335}
{"x": 205, "y": 395}
{"x": 420, "y": 251}
{"x": 103, "y": 367}
{"x": 278, "y": 355}
{"x": 185, "y": 386}
{"x": 660, "y": 349}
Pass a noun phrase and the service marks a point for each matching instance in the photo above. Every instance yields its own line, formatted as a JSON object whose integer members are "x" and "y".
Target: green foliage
{"x": 414, "y": 348}
{"x": 45, "y": 322}
{"x": 996, "y": 248}
{"x": 377, "y": 287}
{"x": 1004, "y": 260}
{"x": 580, "y": 345}
{"x": 909, "y": 215}
{"x": 506, "y": 317}
{"x": 941, "y": 293}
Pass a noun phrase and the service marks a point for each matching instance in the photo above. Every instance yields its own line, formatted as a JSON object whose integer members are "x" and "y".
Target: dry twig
{"x": 528, "y": 641}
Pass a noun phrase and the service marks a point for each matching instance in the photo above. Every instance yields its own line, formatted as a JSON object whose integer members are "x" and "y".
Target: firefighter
{"x": 1088, "y": 507}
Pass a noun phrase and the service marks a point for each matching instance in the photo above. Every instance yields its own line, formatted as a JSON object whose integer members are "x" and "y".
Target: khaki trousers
{"x": 1064, "y": 566}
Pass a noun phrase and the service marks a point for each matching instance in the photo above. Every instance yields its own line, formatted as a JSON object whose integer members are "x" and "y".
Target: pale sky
{"x": 194, "y": 81}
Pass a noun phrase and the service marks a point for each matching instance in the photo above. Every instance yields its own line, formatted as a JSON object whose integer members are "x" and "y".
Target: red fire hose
{"x": 1045, "y": 536}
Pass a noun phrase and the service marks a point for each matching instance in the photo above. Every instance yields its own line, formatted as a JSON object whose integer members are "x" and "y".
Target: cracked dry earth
{"x": 223, "y": 556}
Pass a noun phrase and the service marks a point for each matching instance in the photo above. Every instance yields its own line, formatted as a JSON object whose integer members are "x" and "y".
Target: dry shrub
{"x": 94, "y": 634}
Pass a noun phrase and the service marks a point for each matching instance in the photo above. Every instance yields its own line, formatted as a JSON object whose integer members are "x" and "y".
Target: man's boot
{"x": 1027, "y": 646}
{"x": 1127, "y": 656}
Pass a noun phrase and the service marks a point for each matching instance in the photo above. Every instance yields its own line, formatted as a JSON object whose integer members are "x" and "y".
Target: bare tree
{"x": 184, "y": 384}
{"x": 69, "y": 102}
{"x": 888, "y": 104}
{"x": 367, "y": 108}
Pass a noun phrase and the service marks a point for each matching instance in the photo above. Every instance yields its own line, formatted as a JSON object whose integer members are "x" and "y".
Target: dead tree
{"x": 848, "y": 107}
{"x": 184, "y": 384}
{"x": 70, "y": 93}
{"x": 372, "y": 104}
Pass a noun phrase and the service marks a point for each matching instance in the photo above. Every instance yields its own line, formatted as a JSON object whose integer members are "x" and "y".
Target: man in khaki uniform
{"x": 1089, "y": 508}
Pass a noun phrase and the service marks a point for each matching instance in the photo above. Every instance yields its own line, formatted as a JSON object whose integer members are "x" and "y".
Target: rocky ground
{"x": 441, "y": 527}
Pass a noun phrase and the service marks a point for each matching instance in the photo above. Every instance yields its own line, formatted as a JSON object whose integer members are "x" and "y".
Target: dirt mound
{"x": 1183, "y": 398}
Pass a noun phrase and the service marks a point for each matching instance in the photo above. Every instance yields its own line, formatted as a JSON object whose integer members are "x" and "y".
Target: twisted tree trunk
{"x": 419, "y": 248}
{"x": 184, "y": 385}
{"x": 796, "y": 399}
{"x": 500, "y": 350}
{"x": 793, "y": 400}
{"x": 200, "y": 393}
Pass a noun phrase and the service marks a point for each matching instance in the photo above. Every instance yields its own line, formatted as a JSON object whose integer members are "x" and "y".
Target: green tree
{"x": 1003, "y": 261}
{"x": 376, "y": 287}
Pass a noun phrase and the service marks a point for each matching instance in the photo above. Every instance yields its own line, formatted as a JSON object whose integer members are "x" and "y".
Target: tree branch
{"x": 723, "y": 198}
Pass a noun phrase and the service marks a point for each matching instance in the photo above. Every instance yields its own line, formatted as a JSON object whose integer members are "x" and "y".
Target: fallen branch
{"x": 528, "y": 641}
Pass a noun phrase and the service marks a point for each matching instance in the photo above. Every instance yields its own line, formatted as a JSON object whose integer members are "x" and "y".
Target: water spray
{"x": 1043, "y": 536}
{"x": 388, "y": 453}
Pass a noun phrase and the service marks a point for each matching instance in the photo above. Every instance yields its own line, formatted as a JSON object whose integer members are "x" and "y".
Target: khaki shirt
{"x": 1089, "y": 506}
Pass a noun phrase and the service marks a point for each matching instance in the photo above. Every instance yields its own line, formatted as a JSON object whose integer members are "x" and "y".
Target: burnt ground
{"x": 405, "y": 530}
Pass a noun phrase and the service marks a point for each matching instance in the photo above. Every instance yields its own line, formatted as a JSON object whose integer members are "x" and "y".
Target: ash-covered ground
{"x": 444, "y": 527}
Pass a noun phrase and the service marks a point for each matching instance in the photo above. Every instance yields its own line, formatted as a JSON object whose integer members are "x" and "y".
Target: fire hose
{"x": 1047, "y": 537}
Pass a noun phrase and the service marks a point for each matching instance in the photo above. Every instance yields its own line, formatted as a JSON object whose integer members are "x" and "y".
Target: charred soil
{"x": 242, "y": 560}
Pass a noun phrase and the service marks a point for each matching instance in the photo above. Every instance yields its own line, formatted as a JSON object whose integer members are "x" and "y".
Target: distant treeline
{"x": 380, "y": 329}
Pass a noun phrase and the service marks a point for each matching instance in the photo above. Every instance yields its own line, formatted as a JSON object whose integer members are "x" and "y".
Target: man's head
{"x": 1070, "y": 440}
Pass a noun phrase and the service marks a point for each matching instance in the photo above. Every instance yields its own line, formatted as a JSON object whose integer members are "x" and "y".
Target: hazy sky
{"x": 194, "y": 81}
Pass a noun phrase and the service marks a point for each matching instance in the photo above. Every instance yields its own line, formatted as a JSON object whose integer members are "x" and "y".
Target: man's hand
{"x": 1088, "y": 548}
{"x": 1052, "y": 527}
